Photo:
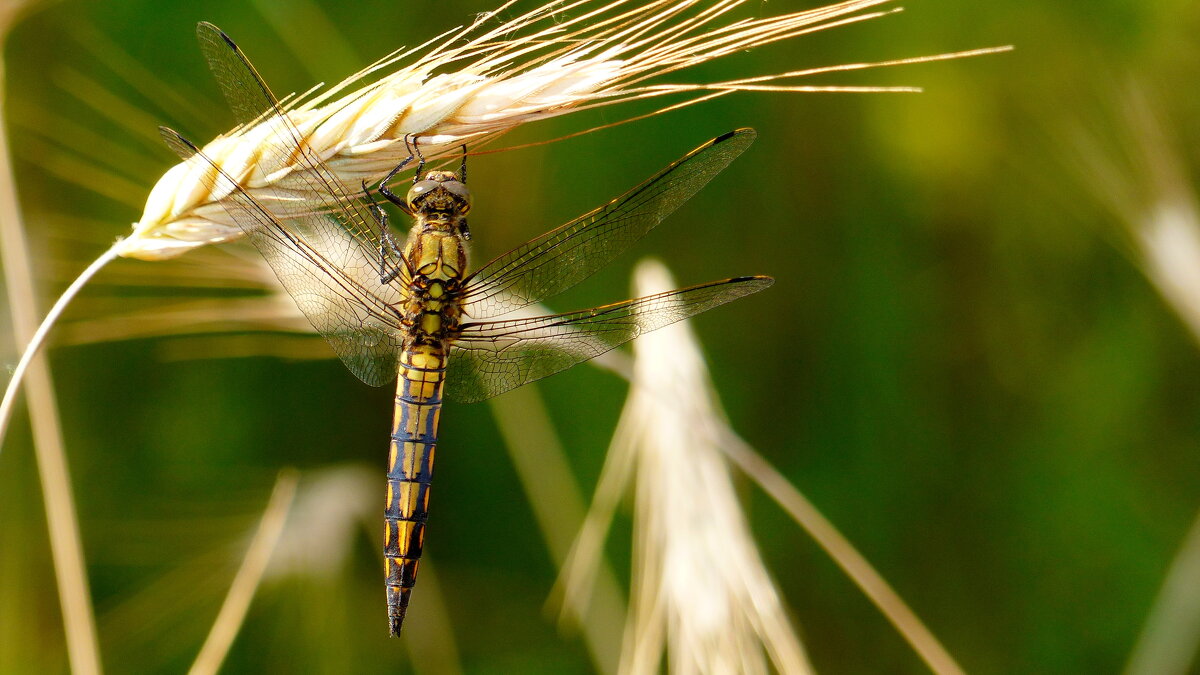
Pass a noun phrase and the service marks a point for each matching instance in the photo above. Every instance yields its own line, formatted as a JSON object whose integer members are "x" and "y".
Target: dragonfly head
{"x": 440, "y": 197}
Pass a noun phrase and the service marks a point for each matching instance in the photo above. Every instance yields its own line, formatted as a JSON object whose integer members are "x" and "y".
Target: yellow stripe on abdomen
{"x": 410, "y": 471}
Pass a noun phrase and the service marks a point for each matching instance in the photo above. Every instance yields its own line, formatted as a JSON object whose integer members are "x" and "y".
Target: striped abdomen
{"x": 410, "y": 471}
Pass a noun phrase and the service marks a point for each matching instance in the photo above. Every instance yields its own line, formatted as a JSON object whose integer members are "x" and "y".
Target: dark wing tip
{"x": 169, "y": 134}
{"x": 734, "y": 143}
{"x": 204, "y": 29}
{"x": 761, "y": 279}
{"x": 745, "y": 132}
{"x": 177, "y": 143}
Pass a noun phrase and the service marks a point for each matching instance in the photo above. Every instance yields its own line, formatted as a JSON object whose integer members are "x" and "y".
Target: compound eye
{"x": 460, "y": 191}
{"x": 419, "y": 190}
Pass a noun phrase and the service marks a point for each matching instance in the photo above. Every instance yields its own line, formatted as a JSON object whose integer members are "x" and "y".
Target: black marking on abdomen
{"x": 411, "y": 455}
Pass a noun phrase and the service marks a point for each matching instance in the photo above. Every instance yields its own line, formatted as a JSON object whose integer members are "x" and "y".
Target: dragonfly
{"x": 416, "y": 313}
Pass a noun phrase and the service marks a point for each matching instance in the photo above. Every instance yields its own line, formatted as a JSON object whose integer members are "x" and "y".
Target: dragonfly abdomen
{"x": 410, "y": 472}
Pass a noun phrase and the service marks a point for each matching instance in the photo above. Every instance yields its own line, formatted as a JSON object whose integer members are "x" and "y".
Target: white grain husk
{"x": 701, "y": 597}
{"x": 476, "y": 82}
{"x": 1136, "y": 171}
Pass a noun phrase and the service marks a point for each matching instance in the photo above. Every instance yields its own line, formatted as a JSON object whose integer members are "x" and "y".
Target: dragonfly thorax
{"x": 432, "y": 313}
{"x": 436, "y": 255}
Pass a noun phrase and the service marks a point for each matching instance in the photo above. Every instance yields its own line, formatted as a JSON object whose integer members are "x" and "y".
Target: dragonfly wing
{"x": 563, "y": 257}
{"x": 492, "y": 357}
{"x": 248, "y": 97}
{"x": 333, "y": 281}
{"x": 302, "y": 183}
{"x": 318, "y": 238}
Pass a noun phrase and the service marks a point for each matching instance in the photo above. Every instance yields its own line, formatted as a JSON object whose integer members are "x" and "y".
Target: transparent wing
{"x": 318, "y": 240}
{"x": 492, "y": 357}
{"x": 333, "y": 285}
{"x": 563, "y": 257}
{"x": 248, "y": 97}
{"x": 302, "y": 183}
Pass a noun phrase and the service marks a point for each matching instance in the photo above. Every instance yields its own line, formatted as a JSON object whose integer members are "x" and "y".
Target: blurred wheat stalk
{"x": 702, "y": 598}
{"x": 67, "y": 552}
{"x": 1133, "y": 169}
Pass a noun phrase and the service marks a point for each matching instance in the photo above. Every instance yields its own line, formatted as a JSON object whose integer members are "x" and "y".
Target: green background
{"x": 960, "y": 363}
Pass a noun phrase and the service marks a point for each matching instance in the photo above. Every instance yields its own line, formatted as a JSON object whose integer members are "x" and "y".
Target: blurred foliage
{"x": 959, "y": 363}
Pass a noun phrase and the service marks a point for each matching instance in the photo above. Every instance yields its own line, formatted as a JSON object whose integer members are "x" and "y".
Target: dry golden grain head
{"x": 1134, "y": 169}
{"x": 332, "y": 506}
{"x": 689, "y": 522}
{"x": 475, "y": 83}
{"x": 11, "y": 12}
{"x": 701, "y": 597}
{"x": 1170, "y": 243}
{"x": 176, "y": 219}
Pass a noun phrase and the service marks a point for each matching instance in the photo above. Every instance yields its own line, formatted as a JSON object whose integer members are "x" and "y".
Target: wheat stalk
{"x": 245, "y": 583}
{"x": 476, "y": 82}
{"x": 558, "y": 506}
{"x": 701, "y": 596}
{"x": 691, "y": 534}
{"x": 70, "y": 569}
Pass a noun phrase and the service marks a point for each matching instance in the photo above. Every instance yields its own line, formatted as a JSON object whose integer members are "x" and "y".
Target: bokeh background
{"x": 961, "y": 363}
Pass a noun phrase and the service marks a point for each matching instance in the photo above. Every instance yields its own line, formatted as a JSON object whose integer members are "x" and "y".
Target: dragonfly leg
{"x": 413, "y": 153}
{"x": 462, "y": 177}
{"x": 420, "y": 159}
{"x": 387, "y": 243}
